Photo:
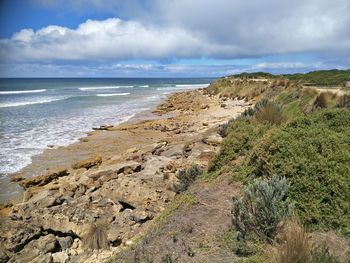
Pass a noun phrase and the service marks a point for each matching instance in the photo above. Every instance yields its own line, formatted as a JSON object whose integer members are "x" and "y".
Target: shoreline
{"x": 18, "y": 191}
{"x": 122, "y": 177}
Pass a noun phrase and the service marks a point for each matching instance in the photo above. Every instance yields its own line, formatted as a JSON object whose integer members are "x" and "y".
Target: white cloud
{"x": 189, "y": 29}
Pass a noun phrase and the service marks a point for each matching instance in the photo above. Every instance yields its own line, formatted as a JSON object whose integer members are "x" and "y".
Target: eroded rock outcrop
{"x": 124, "y": 193}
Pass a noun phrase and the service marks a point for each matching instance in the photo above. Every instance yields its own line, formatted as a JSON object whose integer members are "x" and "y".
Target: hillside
{"x": 333, "y": 77}
{"x": 278, "y": 190}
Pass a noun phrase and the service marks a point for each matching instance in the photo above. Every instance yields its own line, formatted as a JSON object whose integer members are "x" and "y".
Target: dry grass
{"x": 326, "y": 100}
{"x": 271, "y": 113}
{"x": 310, "y": 92}
{"x": 96, "y": 237}
{"x": 294, "y": 245}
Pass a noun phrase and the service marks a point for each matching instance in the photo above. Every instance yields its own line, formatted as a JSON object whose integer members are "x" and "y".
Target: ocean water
{"x": 35, "y": 113}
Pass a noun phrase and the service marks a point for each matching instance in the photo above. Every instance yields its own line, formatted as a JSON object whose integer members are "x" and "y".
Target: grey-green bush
{"x": 187, "y": 177}
{"x": 262, "y": 207}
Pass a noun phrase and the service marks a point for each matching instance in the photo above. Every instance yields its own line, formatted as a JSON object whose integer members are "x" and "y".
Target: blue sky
{"x": 165, "y": 38}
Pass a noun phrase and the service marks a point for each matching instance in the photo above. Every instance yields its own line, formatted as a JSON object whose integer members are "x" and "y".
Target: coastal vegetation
{"x": 333, "y": 77}
{"x": 289, "y": 155}
{"x": 301, "y": 134}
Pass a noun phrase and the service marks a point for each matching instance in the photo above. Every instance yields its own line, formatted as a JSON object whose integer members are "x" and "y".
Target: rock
{"x": 141, "y": 216}
{"x": 84, "y": 139}
{"x": 205, "y": 124}
{"x": 43, "y": 198}
{"x": 223, "y": 105}
{"x": 213, "y": 140}
{"x": 35, "y": 249}
{"x": 3, "y": 256}
{"x": 88, "y": 163}
{"x": 47, "y": 258}
{"x": 16, "y": 234}
{"x": 158, "y": 147}
{"x": 60, "y": 257}
{"x": 65, "y": 242}
{"x": 127, "y": 167}
{"x": 204, "y": 106}
{"x": 207, "y": 156}
{"x": 131, "y": 150}
{"x": 43, "y": 179}
{"x": 17, "y": 178}
{"x": 103, "y": 128}
{"x": 50, "y": 146}
{"x": 175, "y": 150}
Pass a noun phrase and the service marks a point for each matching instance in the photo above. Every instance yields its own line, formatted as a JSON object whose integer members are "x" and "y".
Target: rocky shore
{"x": 117, "y": 179}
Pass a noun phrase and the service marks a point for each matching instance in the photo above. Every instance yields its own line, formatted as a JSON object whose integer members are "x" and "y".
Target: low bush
{"x": 187, "y": 177}
{"x": 223, "y": 128}
{"x": 263, "y": 206}
{"x": 242, "y": 135}
{"x": 313, "y": 153}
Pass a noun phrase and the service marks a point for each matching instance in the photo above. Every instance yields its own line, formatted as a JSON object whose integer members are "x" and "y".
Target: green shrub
{"x": 344, "y": 101}
{"x": 263, "y": 206}
{"x": 242, "y": 135}
{"x": 313, "y": 153}
{"x": 187, "y": 177}
{"x": 223, "y": 128}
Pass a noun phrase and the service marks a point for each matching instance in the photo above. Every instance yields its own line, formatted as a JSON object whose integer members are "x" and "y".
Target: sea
{"x": 38, "y": 112}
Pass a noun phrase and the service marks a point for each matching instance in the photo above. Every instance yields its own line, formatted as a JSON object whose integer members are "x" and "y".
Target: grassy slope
{"x": 318, "y": 78}
{"x": 311, "y": 148}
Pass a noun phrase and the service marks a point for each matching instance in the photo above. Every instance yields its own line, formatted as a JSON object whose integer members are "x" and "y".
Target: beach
{"x": 119, "y": 176}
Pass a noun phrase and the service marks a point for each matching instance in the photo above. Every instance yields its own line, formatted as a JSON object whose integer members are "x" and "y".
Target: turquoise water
{"x": 35, "y": 113}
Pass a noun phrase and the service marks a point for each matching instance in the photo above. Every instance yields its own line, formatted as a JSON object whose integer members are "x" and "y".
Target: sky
{"x": 171, "y": 38}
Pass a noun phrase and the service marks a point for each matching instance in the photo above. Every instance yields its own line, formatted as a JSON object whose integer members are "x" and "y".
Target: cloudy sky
{"x": 171, "y": 38}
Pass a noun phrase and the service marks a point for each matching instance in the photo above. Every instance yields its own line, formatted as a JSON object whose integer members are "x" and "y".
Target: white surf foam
{"x": 144, "y": 86}
{"x": 104, "y": 87}
{"x": 29, "y": 102}
{"x": 113, "y": 94}
{"x": 21, "y": 91}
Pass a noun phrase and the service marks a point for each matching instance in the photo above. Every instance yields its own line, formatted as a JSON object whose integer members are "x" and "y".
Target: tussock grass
{"x": 326, "y": 100}
{"x": 294, "y": 245}
{"x": 96, "y": 237}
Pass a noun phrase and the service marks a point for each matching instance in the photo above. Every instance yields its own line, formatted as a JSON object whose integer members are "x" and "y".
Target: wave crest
{"x": 21, "y": 91}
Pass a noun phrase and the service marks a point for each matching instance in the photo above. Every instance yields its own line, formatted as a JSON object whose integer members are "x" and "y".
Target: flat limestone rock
{"x": 43, "y": 179}
{"x": 36, "y": 249}
{"x": 88, "y": 163}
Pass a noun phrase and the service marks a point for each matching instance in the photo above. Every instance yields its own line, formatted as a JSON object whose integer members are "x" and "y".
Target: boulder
{"x": 141, "y": 216}
{"x": 88, "y": 163}
{"x": 65, "y": 242}
{"x": 175, "y": 150}
{"x": 60, "y": 257}
{"x": 43, "y": 179}
{"x": 213, "y": 140}
{"x": 44, "y": 198}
